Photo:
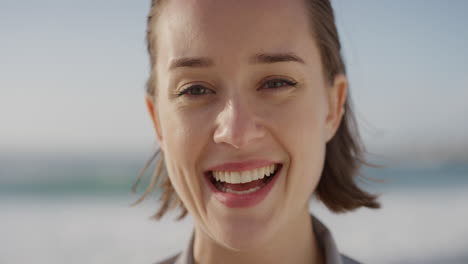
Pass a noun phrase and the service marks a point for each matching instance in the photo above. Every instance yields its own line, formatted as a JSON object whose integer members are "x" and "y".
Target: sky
{"x": 72, "y": 76}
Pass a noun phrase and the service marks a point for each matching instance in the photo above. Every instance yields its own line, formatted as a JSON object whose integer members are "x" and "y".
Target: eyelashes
{"x": 276, "y": 83}
{"x": 273, "y": 84}
{"x": 195, "y": 90}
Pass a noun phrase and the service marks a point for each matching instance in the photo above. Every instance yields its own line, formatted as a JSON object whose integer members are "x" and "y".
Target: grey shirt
{"x": 324, "y": 237}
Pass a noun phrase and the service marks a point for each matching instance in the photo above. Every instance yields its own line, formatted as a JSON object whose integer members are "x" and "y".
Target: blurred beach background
{"x": 74, "y": 132}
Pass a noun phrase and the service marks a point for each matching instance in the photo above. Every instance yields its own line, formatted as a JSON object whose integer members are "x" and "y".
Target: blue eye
{"x": 195, "y": 90}
{"x": 278, "y": 83}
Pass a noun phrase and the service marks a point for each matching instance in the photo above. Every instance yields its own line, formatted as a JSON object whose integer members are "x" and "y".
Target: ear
{"x": 336, "y": 102}
{"x": 154, "y": 116}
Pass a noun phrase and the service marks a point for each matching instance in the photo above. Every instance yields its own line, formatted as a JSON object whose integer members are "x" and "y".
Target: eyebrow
{"x": 267, "y": 58}
{"x": 200, "y": 62}
{"x": 260, "y": 58}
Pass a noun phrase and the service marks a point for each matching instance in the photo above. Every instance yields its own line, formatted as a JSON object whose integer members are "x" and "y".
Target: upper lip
{"x": 241, "y": 166}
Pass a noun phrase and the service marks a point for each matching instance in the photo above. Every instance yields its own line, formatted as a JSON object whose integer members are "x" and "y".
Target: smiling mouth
{"x": 243, "y": 182}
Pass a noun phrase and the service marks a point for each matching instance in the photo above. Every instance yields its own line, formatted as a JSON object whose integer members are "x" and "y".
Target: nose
{"x": 237, "y": 125}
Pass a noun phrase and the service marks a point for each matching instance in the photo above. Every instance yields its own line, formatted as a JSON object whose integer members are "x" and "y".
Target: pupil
{"x": 276, "y": 83}
{"x": 197, "y": 90}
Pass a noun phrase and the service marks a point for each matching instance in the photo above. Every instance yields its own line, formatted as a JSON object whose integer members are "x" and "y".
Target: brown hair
{"x": 337, "y": 188}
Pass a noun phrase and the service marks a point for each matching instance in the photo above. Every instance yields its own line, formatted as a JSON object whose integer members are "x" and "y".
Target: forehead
{"x": 227, "y": 29}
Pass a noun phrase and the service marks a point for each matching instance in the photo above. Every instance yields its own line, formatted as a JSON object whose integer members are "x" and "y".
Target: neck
{"x": 295, "y": 242}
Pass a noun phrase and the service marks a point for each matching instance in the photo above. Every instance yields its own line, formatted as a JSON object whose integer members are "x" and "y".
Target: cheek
{"x": 183, "y": 141}
{"x": 305, "y": 142}
{"x": 300, "y": 123}
{"x": 186, "y": 133}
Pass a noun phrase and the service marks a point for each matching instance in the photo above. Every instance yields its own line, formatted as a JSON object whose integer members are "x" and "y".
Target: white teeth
{"x": 254, "y": 174}
{"x": 262, "y": 172}
{"x": 245, "y": 176}
{"x": 236, "y": 177}
{"x": 222, "y": 177}
{"x": 242, "y": 192}
{"x": 227, "y": 176}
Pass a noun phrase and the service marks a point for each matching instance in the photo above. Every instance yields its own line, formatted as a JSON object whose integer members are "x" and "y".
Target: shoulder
{"x": 169, "y": 260}
{"x": 348, "y": 260}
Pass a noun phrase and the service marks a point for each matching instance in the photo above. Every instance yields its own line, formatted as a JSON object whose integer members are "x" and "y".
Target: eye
{"x": 195, "y": 90}
{"x": 278, "y": 83}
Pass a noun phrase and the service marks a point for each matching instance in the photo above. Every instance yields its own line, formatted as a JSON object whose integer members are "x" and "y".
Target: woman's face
{"x": 240, "y": 87}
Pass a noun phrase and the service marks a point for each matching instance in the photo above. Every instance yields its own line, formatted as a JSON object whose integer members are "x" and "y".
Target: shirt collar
{"x": 326, "y": 242}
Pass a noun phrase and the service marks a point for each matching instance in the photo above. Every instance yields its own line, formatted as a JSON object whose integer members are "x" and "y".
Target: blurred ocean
{"x": 63, "y": 209}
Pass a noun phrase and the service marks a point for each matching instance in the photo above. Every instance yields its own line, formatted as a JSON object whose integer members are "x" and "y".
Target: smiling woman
{"x": 251, "y": 110}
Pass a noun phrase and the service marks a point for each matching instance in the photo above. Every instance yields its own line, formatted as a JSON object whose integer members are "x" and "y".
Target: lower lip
{"x": 234, "y": 200}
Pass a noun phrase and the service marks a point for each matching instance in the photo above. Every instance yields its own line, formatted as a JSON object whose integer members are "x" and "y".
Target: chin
{"x": 243, "y": 233}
